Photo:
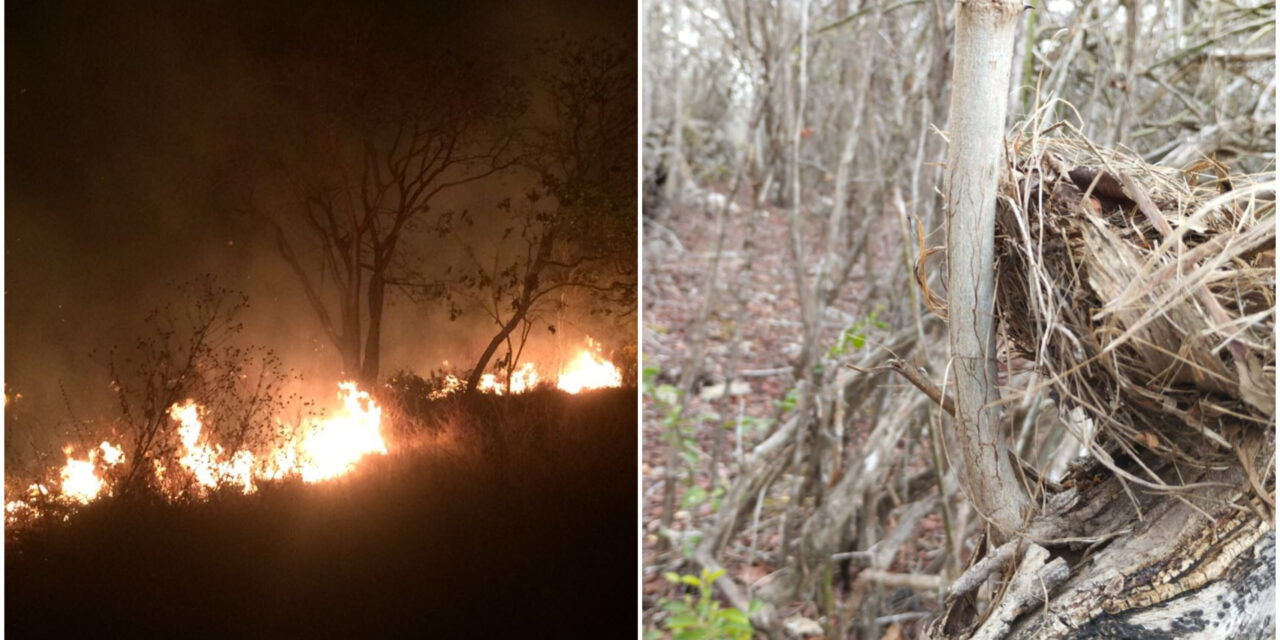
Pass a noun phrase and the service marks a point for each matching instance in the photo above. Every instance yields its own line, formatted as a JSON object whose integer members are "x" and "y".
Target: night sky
{"x": 124, "y": 131}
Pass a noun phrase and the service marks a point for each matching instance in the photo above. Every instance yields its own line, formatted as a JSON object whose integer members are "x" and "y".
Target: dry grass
{"x": 1144, "y": 295}
{"x": 535, "y": 537}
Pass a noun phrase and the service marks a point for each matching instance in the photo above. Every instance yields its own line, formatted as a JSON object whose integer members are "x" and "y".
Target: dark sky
{"x": 122, "y": 120}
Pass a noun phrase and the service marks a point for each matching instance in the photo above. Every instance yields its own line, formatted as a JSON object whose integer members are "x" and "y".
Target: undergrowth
{"x": 508, "y": 515}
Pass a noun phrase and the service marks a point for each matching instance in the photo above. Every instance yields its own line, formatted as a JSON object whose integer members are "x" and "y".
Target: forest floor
{"x": 677, "y": 254}
{"x": 515, "y": 520}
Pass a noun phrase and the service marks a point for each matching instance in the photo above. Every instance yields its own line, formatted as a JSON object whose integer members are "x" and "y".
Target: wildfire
{"x": 332, "y": 447}
{"x": 316, "y": 450}
{"x": 588, "y": 370}
{"x": 81, "y": 483}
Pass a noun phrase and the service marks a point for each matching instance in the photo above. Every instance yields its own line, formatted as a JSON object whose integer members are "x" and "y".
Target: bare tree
{"x": 577, "y": 230}
{"x": 372, "y": 147}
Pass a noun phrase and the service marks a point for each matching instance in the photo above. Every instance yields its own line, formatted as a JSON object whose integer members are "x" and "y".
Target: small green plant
{"x": 855, "y": 337}
{"x": 669, "y": 400}
{"x": 789, "y": 400}
{"x": 704, "y": 618}
{"x": 696, "y": 495}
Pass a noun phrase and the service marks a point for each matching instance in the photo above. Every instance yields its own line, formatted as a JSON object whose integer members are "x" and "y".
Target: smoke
{"x": 126, "y": 130}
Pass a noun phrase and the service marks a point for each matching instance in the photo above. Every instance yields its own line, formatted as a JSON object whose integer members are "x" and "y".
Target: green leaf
{"x": 681, "y": 621}
{"x": 858, "y": 340}
{"x": 676, "y": 608}
{"x": 691, "y": 581}
{"x": 694, "y": 496}
{"x": 672, "y": 577}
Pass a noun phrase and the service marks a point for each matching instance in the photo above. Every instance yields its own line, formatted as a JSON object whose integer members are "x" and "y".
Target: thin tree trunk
{"x": 675, "y": 155}
{"x": 473, "y": 380}
{"x": 527, "y": 296}
{"x": 984, "y": 48}
{"x": 373, "y": 340}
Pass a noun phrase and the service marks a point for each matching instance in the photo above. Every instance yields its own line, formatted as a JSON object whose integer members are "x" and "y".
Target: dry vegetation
{"x": 495, "y": 517}
{"x": 794, "y": 158}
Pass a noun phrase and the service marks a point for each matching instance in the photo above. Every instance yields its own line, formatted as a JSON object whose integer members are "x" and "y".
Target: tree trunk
{"x": 674, "y": 187}
{"x": 984, "y": 50}
{"x": 523, "y": 303}
{"x": 474, "y": 379}
{"x": 373, "y": 342}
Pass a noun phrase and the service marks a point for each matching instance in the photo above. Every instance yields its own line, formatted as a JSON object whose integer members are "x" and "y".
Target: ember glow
{"x": 317, "y": 450}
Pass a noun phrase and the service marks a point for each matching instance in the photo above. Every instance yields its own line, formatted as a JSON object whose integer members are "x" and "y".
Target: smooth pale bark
{"x": 980, "y": 86}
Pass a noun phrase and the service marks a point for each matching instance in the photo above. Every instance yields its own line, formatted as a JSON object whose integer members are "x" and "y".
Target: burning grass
{"x": 185, "y": 461}
{"x": 515, "y": 515}
{"x": 1146, "y": 297}
{"x": 588, "y": 370}
{"x": 314, "y": 450}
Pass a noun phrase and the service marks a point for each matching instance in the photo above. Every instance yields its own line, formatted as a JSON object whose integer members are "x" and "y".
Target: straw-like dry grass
{"x": 1145, "y": 296}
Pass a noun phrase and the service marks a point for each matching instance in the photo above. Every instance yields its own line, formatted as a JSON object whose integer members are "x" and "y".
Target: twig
{"x": 909, "y": 580}
{"x": 762, "y": 373}
{"x": 916, "y": 378}
{"x": 903, "y": 617}
{"x": 977, "y": 574}
{"x": 1030, "y": 586}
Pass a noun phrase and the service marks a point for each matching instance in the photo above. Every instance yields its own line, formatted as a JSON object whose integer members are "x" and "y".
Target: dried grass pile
{"x": 1146, "y": 296}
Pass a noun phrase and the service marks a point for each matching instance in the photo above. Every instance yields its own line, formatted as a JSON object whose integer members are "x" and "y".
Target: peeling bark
{"x": 1199, "y": 565}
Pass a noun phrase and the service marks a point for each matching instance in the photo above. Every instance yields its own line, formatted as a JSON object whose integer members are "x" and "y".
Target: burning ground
{"x": 487, "y": 513}
{"x": 218, "y": 494}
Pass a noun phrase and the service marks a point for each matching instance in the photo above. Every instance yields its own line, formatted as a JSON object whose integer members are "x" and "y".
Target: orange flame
{"x": 332, "y": 448}
{"x": 203, "y": 461}
{"x": 80, "y": 481}
{"x": 320, "y": 450}
{"x": 589, "y": 371}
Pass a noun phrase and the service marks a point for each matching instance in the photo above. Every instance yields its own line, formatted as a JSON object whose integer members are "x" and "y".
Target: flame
{"x": 81, "y": 483}
{"x": 450, "y": 386}
{"x": 111, "y": 454}
{"x": 314, "y": 451}
{"x": 317, "y": 450}
{"x": 205, "y": 462}
{"x": 523, "y": 379}
{"x": 80, "y": 480}
{"x": 589, "y": 371}
{"x": 332, "y": 448}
